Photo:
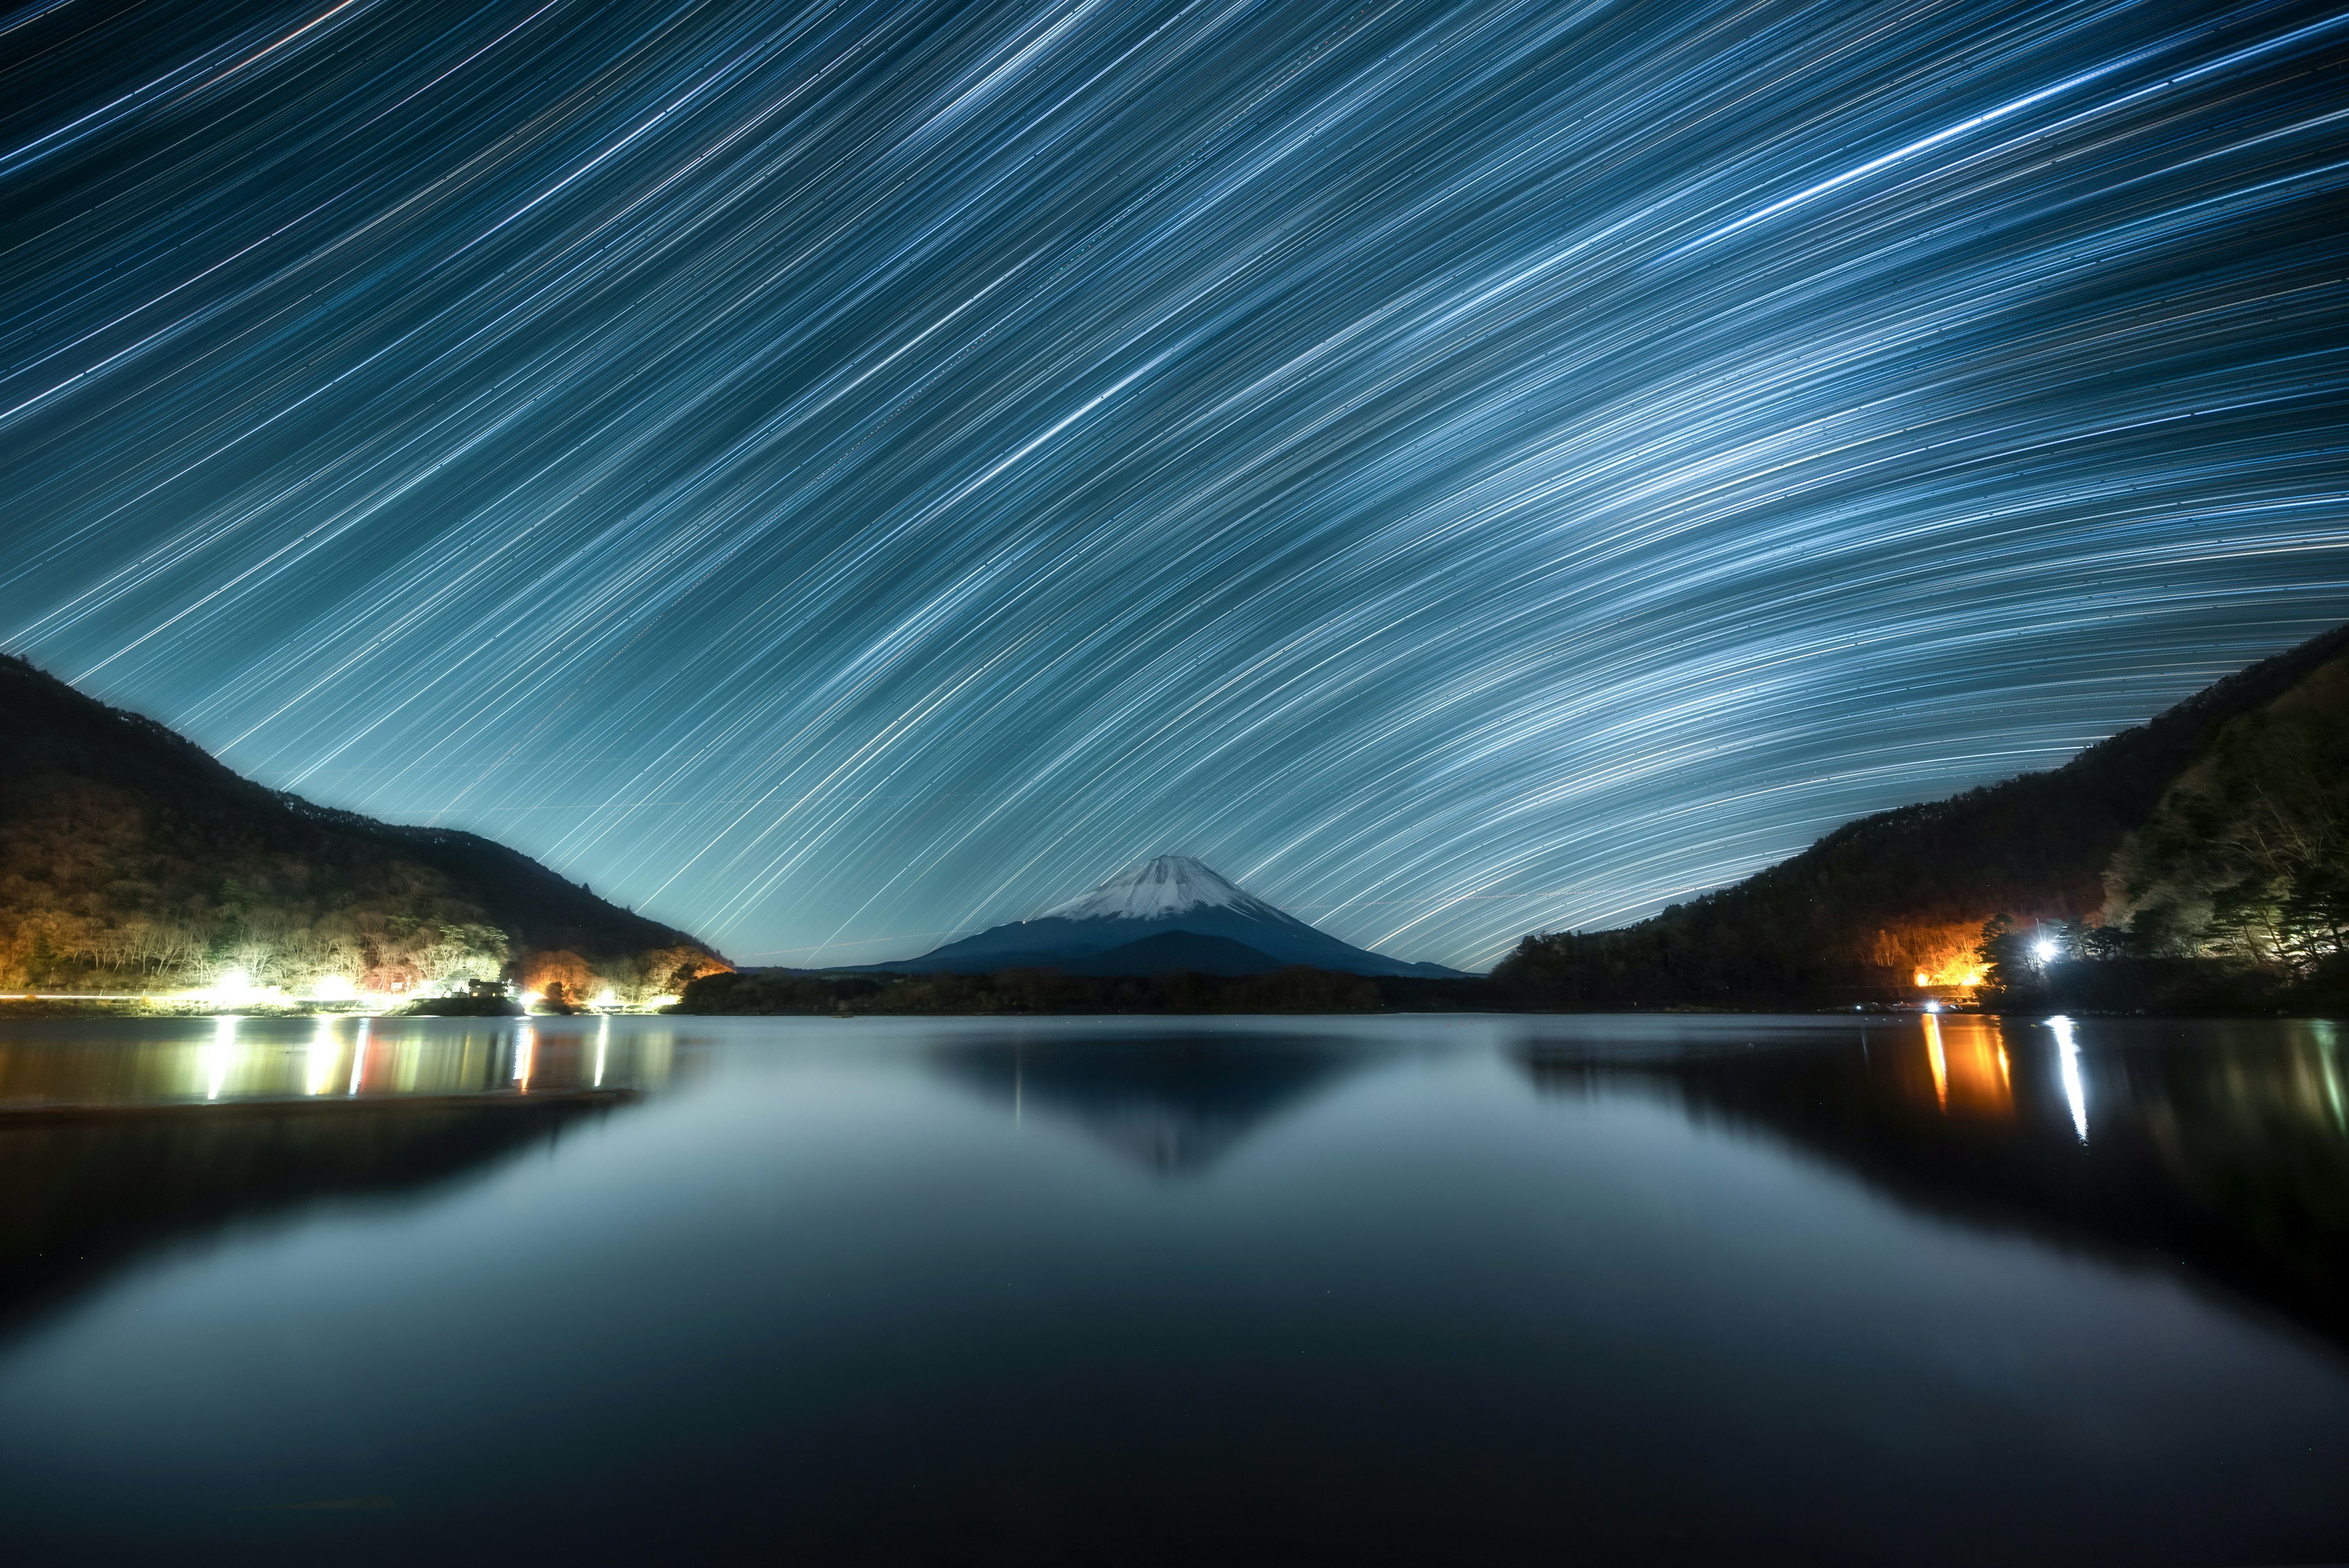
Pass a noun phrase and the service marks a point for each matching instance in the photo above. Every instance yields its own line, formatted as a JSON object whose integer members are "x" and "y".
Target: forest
{"x": 1030, "y": 991}
{"x": 133, "y": 862}
{"x": 2200, "y": 859}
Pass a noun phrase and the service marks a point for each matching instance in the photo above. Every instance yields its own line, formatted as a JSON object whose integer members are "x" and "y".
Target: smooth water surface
{"x": 961, "y": 1291}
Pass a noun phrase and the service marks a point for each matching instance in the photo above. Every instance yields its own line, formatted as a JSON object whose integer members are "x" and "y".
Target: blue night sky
{"x": 835, "y": 476}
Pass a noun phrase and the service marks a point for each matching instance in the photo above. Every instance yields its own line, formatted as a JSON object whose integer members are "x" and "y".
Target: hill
{"x": 1878, "y": 902}
{"x": 131, "y": 859}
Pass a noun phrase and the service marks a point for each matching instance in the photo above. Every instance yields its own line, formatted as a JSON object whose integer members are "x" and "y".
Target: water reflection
{"x": 2075, "y": 1093}
{"x": 1172, "y": 1102}
{"x": 230, "y": 1059}
{"x": 1972, "y": 1075}
{"x": 109, "y": 1146}
{"x": 2219, "y": 1146}
{"x": 851, "y": 1299}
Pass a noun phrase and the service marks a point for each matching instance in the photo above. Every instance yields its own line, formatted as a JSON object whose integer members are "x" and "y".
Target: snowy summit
{"x": 1164, "y": 885}
{"x": 1169, "y": 914}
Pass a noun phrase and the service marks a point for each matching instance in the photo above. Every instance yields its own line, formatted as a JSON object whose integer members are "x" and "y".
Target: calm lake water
{"x": 960, "y": 1291}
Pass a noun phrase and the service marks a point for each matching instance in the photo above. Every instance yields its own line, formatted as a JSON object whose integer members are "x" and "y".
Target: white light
{"x": 323, "y": 1052}
{"x": 1932, "y": 1007}
{"x": 217, "y": 1059}
{"x": 2046, "y": 949}
{"x": 233, "y": 986}
{"x": 606, "y": 997}
{"x": 334, "y": 987}
{"x": 2075, "y": 1093}
{"x": 533, "y": 998}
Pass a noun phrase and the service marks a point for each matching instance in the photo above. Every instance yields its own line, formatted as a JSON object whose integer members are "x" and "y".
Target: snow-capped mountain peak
{"x": 1166, "y": 914}
{"x": 1164, "y": 885}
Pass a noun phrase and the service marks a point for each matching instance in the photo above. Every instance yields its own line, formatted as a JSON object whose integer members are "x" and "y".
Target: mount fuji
{"x": 1165, "y": 914}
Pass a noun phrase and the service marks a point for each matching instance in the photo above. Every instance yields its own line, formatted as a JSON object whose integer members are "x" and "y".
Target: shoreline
{"x": 49, "y": 1012}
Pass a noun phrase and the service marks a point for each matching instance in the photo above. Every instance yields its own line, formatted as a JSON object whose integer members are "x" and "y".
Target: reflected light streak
{"x": 1970, "y": 1073}
{"x": 1940, "y": 1059}
{"x": 217, "y": 1059}
{"x": 2332, "y": 1079}
{"x": 603, "y": 1049}
{"x": 323, "y": 1052}
{"x": 2075, "y": 1093}
{"x": 525, "y": 1046}
{"x": 359, "y": 1054}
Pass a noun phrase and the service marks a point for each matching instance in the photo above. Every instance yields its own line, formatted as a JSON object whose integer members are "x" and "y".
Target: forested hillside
{"x": 131, "y": 859}
{"x": 2203, "y": 834}
{"x": 2247, "y": 853}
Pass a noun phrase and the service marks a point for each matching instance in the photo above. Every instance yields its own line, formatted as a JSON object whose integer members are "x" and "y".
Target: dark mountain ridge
{"x": 1880, "y": 900}
{"x": 116, "y": 830}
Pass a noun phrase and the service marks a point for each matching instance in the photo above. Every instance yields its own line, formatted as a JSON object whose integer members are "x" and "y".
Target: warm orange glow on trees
{"x": 1933, "y": 955}
{"x": 666, "y": 972}
{"x": 560, "y": 976}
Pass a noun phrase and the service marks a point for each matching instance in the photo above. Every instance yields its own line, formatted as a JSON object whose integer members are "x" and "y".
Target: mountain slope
{"x": 2246, "y": 855}
{"x": 1175, "y": 952}
{"x": 1171, "y": 893}
{"x": 1878, "y": 900}
{"x": 126, "y": 850}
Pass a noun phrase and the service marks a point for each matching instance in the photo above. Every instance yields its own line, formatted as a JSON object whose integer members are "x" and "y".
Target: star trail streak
{"x": 843, "y": 476}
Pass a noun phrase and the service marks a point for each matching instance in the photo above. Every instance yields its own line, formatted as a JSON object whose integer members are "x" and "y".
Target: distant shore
{"x": 68, "y": 1006}
{"x": 2091, "y": 991}
{"x": 1046, "y": 992}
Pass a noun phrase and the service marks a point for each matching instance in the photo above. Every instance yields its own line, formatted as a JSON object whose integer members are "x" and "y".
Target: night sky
{"x": 836, "y": 476}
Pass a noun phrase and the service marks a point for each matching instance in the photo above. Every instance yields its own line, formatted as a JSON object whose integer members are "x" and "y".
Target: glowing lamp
{"x": 606, "y": 997}
{"x": 334, "y": 987}
{"x": 2045, "y": 951}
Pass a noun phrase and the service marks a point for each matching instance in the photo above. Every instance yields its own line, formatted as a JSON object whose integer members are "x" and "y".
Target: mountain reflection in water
{"x": 108, "y": 1152}
{"x": 893, "y": 1291}
{"x": 2222, "y": 1146}
{"x": 1172, "y": 1102}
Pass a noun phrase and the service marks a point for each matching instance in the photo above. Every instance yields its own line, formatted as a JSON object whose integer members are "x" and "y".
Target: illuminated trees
{"x": 2247, "y": 854}
{"x": 2004, "y": 952}
{"x": 131, "y": 861}
{"x": 559, "y": 976}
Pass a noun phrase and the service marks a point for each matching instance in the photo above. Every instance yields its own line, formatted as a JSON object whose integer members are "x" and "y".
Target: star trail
{"x": 837, "y": 476}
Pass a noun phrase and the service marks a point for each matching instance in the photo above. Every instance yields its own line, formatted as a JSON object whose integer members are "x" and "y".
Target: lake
{"x": 1410, "y": 1290}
